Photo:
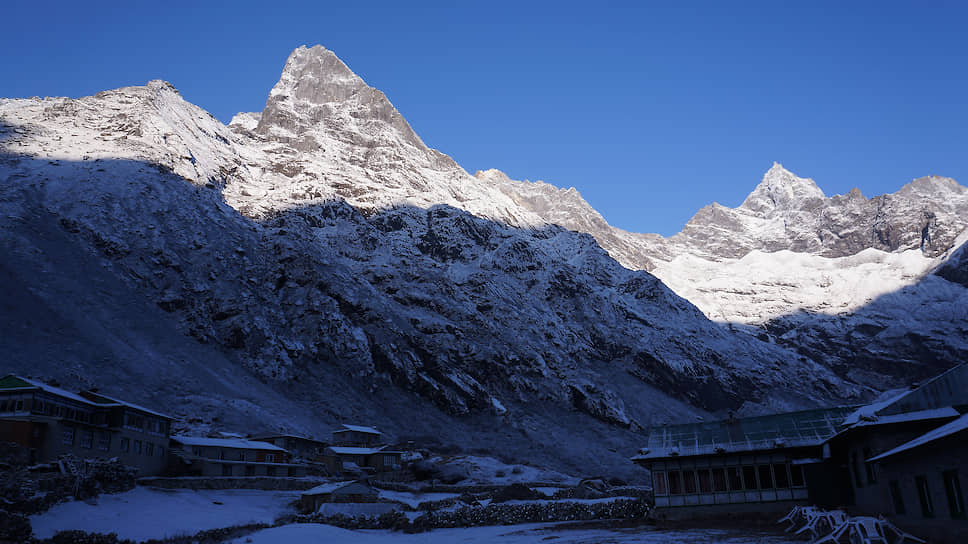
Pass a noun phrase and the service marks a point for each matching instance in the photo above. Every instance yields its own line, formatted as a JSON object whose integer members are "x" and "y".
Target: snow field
{"x": 146, "y": 513}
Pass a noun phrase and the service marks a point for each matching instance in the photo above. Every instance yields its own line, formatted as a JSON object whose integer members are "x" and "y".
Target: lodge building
{"x": 50, "y": 422}
{"x": 358, "y": 449}
{"x": 904, "y": 457}
{"x": 754, "y": 464}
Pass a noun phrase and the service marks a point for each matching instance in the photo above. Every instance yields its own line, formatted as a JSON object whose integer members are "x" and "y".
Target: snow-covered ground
{"x": 414, "y": 499}
{"x": 488, "y": 470}
{"x": 145, "y": 513}
{"x": 561, "y": 533}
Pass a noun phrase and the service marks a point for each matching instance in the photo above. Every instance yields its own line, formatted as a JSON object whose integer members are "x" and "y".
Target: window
{"x": 659, "y": 483}
{"x": 952, "y": 488}
{"x": 161, "y": 451}
{"x": 796, "y": 476}
{"x": 196, "y": 450}
{"x": 780, "y": 474}
{"x": 924, "y": 495}
{"x": 226, "y": 470}
{"x": 87, "y": 439}
{"x": 719, "y": 479}
{"x": 688, "y": 481}
{"x": 749, "y": 477}
{"x": 675, "y": 483}
{"x": 3, "y": 406}
{"x": 20, "y": 405}
{"x": 250, "y": 470}
{"x": 137, "y": 447}
{"x": 735, "y": 480}
{"x": 766, "y": 479}
{"x": 134, "y": 422}
{"x": 705, "y": 482}
{"x": 270, "y": 471}
{"x": 149, "y": 449}
{"x": 221, "y": 454}
{"x": 67, "y": 436}
{"x": 125, "y": 444}
{"x": 897, "y": 498}
{"x": 855, "y": 468}
{"x": 389, "y": 460}
{"x": 104, "y": 441}
{"x": 270, "y": 458}
{"x": 871, "y": 477}
{"x": 242, "y": 455}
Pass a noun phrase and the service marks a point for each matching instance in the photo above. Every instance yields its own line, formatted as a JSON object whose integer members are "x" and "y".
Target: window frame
{"x": 952, "y": 489}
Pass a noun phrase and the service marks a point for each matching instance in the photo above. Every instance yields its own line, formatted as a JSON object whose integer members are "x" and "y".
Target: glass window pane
{"x": 688, "y": 481}
{"x": 719, "y": 479}
{"x": 952, "y": 488}
{"x": 796, "y": 475}
{"x": 766, "y": 480}
{"x": 659, "y": 483}
{"x": 749, "y": 477}
{"x": 675, "y": 483}
{"x": 735, "y": 481}
{"x": 705, "y": 481}
{"x": 780, "y": 475}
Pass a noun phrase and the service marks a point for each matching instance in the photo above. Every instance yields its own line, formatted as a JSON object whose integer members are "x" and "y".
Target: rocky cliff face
{"x": 845, "y": 279}
{"x": 316, "y": 263}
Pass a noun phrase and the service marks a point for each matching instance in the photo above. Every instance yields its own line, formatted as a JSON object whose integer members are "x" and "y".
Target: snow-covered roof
{"x": 948, "y": 429}
{"x": 34, "y": 384}
{"x": 284, "y": 435}
{"x": 870, "y": 410}
{"x": 359, "y": 429}
{"x": 225, "y": 443}
{"x": 922, "y": 415}
{"x": 111, "y": 401}
{"x": 348, "y": 450}
{"x": 328, "y": 488}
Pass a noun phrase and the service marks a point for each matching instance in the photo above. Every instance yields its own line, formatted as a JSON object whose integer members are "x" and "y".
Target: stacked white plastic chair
{"x": 837, "y": 527}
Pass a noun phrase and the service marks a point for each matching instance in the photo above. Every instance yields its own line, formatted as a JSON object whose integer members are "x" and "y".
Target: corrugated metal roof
{"x": 948, "y": 429}
{"x": 336, "y": 486}
{"x": 225, "y": 443}
{"x": 791, "y": 429}
{"x": 34, "y": 384}
{"x": 347, "y": 450}
{"x": 118, "y": 402}
{"x": 360, "y": 429}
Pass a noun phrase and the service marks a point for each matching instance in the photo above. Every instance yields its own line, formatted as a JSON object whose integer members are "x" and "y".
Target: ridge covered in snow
{"x": 316, "y": 262}
{"x": 845, "y": 279}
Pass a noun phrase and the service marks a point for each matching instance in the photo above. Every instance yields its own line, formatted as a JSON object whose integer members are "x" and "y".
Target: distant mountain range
{"x": 316, "y": 263}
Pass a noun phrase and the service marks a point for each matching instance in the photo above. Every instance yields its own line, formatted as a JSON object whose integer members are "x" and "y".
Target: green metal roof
{"x": 13, "y": 382}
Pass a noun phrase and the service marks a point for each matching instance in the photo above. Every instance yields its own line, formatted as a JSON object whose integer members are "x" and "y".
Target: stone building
{"x": 907, "y": 458}
{"x": 232, "y": 457}
{"x": 50, "y": 422}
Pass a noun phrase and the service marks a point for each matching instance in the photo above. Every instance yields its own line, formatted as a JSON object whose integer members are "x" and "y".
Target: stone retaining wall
{"x": 266, "y": 483}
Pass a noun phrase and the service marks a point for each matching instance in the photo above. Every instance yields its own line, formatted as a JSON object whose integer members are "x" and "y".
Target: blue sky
{"x": 651, "y": 110}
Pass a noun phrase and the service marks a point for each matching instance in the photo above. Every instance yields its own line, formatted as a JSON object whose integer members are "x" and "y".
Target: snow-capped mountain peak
{"x": 782, "y": 190}
{"x": 315, "y": 88}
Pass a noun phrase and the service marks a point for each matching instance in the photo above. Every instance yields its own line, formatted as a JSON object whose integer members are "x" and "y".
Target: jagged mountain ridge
{"x": 845, "y": 279}
{"x": 335, "y": 258}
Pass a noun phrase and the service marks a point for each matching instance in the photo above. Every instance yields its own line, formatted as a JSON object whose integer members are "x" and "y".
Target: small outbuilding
{"x": 351, "y": 491}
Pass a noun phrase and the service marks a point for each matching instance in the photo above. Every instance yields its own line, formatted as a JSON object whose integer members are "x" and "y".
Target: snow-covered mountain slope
{"x": 846, "y": 272}
{"x": 334, "y": 260}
